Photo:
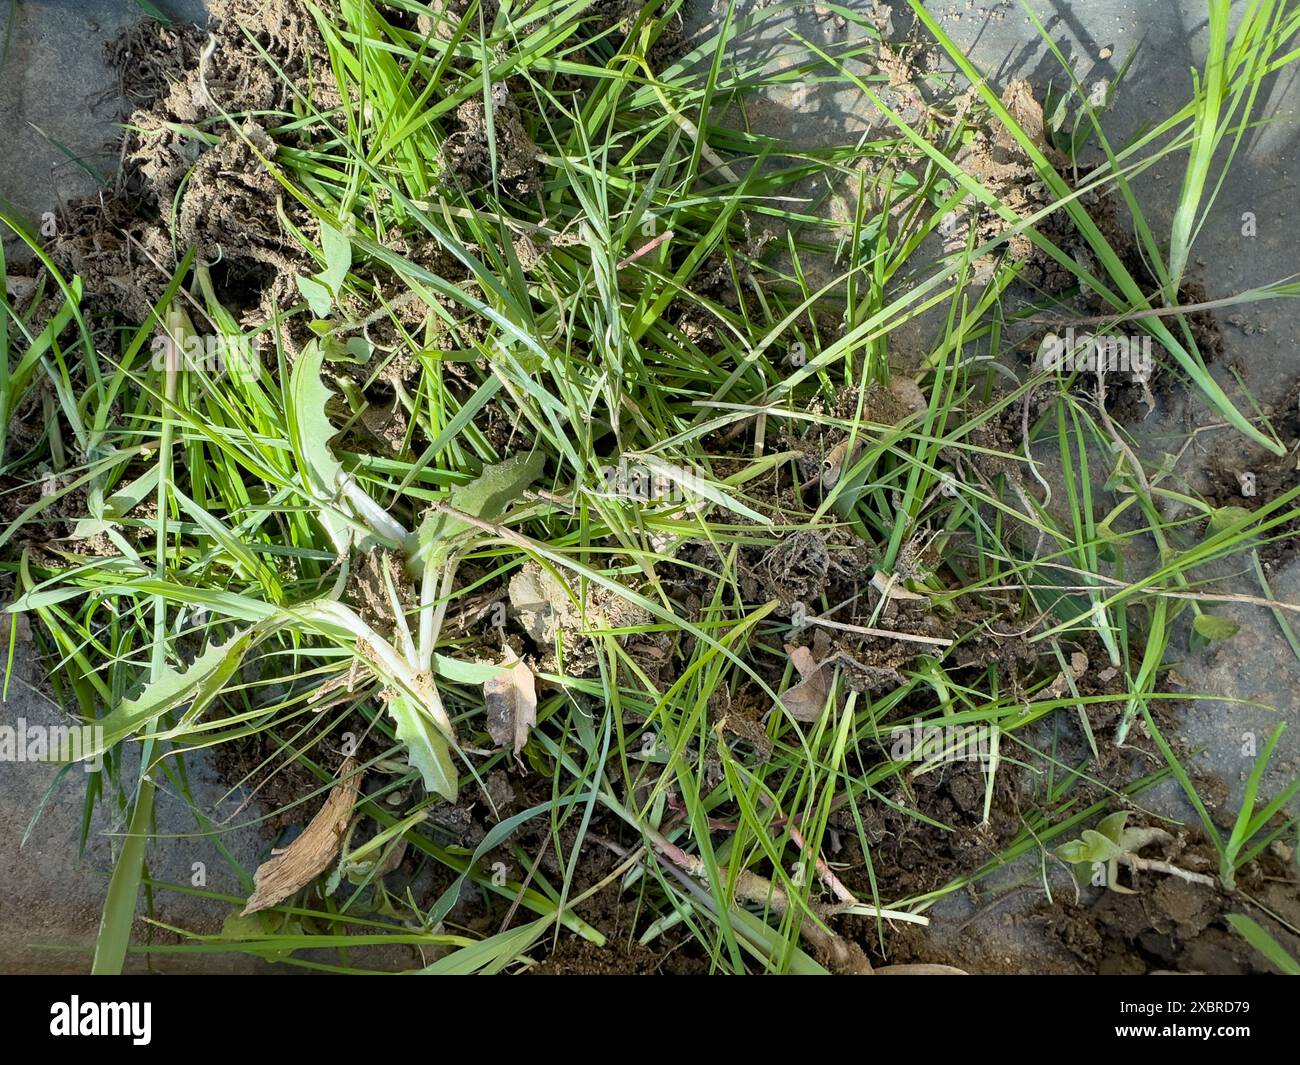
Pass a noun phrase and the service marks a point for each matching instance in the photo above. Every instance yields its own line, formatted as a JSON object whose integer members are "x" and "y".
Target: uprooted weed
{"x": 653, "y": 690}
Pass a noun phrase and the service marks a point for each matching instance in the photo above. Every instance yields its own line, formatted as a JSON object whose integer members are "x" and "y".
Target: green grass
{"x": 224, "y": 613}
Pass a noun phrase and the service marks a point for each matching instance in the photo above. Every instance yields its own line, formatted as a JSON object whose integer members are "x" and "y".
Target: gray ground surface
{"x": 50, "y": 899}
{"x": 57, "y": 103}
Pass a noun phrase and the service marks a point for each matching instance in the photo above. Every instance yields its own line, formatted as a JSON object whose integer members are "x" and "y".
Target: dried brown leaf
{"x": 836, "y": 459}
{"x": 510, "y": 702}
{"x": 802, "y": 659}
{"x": 806, "y": 700}
{"x": 311, "y": 853}
{"x": 891, "y": 588}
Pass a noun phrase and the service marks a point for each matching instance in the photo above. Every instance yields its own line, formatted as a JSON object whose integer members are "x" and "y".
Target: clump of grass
{"x": 662, "y": 288}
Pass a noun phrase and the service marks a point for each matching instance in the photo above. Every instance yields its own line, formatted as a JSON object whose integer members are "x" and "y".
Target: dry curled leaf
{"x": 806, "y": 700}
{"x": 510, "y": 702}
{"x": 836, "y": 459}
{"x": 803, "y": 661}
{"x": 1018, "y": 99}
{"x": 311, "y": 853}
{"x": 1060, "y": 685}
{"x": 890, "y": 587}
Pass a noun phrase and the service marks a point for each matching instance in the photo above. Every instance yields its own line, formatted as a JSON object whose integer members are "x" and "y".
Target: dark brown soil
{"x": 1166, "y": 925}
{"x": 1169, "y": 926}
{"x": 1173, "y": 926}
{"x": 577, "y": 957}
{"x": 124, "y": 243}
{"x": 1234, "y": 463}
{"x": 271, "y": 768}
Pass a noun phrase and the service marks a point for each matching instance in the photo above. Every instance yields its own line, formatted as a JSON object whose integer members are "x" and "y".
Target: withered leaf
{"x": 1027, "y": 112}
{"x": 836, "y": 459}
{"x": 1060, "y": 685}
{"x": 803, "y": 661}
{"x": 892, "y": 588}
{"x": 311, "y": 853}
{"x": 806, "y": 700}
{"x": 510, "y": 702}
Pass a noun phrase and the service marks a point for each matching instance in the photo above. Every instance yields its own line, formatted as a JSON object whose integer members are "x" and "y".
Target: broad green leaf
{"x": 459, "y": 671}
{"x": 1215, "y": 628}
{"x": 1074, "y": 852}
{"x": 493, "y": 490}
{"x": 320, "y": 290}
{"x": 1112, "y": 826}
{"x": 318, "y": 297}
{"x": 426, "y": 746}
{"x": 1133, "y": 840}
{"x": 1101, "y": 848}
{"x": 237, "y": 928}
{"x": 357, "y": 350}
{"x": 310, "y": 432}
{"x": 200, "y": 682}
{"x": 485, "y": 497}
{"x": 338, "y": 257}
{"x": 1225, "y": 518}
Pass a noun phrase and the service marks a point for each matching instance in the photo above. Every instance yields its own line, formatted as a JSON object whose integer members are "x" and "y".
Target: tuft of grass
{"x": 670, "y": 291}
